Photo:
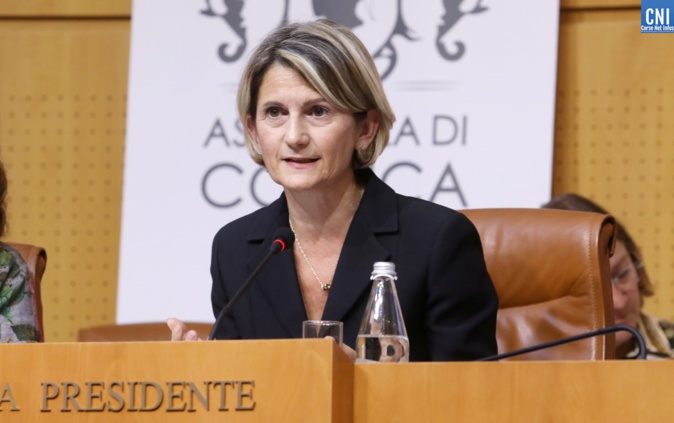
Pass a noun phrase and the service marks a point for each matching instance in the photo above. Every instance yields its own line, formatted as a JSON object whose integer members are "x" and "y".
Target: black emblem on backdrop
{"x": 344, "y": 12}
{"x": 452, "y": 15}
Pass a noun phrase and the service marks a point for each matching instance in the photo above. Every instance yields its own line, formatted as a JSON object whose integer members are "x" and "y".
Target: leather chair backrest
{"x": 134, "y": 332}
{"x": 551, "y": 271}
{"x": 36, "y": 260}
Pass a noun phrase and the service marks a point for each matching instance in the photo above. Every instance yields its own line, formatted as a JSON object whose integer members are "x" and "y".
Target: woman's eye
{"x": 621, "y": 275}
{"x": 273, "y": 112}
{"x": 319, "y": 111}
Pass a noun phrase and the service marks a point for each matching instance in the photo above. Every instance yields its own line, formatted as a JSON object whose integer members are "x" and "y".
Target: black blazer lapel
{"x": 352, "y": 276}
{"x": 276, "y": 302}
{"x": 282, "y": 307}
{"x": 371, "y": 238}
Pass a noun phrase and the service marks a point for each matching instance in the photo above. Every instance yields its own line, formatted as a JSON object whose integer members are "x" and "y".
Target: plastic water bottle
{"x": 382, "y": 336}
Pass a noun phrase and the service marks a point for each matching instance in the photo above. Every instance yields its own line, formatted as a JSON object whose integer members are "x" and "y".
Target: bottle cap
{"x": 384, "y": 268}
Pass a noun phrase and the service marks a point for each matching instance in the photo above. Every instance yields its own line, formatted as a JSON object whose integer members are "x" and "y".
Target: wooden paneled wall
{"x": 614, "y": 133}
{"x": 63, "y": 85}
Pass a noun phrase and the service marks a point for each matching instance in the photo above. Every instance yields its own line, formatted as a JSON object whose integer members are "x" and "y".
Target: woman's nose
{"x": 619, "y": 298}
{"x": 296, "y": 132}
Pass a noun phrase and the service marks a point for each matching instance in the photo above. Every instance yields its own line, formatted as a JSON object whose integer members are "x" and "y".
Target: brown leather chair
{"x": 551, "y": 271}
{"x": 134, "y": 332}
{"x": 36, "y": 259}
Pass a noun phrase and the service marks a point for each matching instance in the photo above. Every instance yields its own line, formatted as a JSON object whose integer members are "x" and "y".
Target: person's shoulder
{"x": 247, "y": 225}
{"x": 657, "y": 327}
{"x": 11, "y": 263}
{"x": 430, "y": 220}
{"x": 428, "y": 210}
{"x": 413, "y": 210}
{"x": 9, "y": 256}
{"x": 240, "y": 225}
{"x": 667, "y": 327}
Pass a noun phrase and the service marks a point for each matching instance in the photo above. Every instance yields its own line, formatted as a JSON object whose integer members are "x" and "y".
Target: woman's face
{"x": 626, "y": 297}
{"x": 305, "y": 142}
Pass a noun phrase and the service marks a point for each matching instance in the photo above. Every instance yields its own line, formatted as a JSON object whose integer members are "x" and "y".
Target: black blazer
{"x": 448, "y": 300}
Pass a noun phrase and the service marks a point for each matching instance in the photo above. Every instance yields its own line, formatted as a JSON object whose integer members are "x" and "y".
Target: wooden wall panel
{"x": 65, "y": 8}
{"x": 614, "y": 131}
{"x": 599, "y": 4}
{"x": 62, "y": 123}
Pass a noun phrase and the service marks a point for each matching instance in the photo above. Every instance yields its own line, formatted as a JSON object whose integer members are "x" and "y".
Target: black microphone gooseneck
{"x": 591, "y": 334}
{"x": 283, "y": 239}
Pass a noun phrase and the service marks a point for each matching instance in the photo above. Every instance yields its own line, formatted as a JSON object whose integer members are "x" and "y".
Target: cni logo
{"x": 656, "y": 15}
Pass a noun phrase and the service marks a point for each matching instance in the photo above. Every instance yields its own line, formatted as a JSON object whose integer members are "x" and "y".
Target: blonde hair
{"x": 335, "y": 63}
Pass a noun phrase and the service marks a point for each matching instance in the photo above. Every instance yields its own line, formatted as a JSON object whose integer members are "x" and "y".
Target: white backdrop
{"x": 472, "y": 83}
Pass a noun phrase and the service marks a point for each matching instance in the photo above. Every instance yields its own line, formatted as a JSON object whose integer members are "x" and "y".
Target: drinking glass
{"x": 323, "y": 328}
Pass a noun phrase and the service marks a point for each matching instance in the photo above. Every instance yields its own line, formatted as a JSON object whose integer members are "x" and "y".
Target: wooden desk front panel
{"x": 612, "y": 391}
{"x": 269, "y": 381}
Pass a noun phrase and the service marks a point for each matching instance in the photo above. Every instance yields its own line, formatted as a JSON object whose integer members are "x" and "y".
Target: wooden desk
{"x": 610, "y": 391}
{"x": 235, "y": 381}
{"x": 313, "y": 381}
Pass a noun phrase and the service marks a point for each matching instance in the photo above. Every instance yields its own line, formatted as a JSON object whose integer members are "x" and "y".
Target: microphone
{"x": 591, "y": 334}
{"x": 283, "y": 239}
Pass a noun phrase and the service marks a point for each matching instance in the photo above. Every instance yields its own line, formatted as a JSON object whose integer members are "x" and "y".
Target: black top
{"x": 447, "y": 298}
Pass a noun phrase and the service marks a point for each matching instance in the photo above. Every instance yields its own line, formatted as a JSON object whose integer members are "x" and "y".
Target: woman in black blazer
{"x": 317, "y": 118}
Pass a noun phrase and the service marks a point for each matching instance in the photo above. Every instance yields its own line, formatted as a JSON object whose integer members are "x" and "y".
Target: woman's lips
{"x": 619, "y": 319}
{"x": 300, "y": 161}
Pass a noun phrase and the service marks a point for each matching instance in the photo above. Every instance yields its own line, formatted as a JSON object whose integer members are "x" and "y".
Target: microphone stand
{"x": 283, "y": 239}
{"x": 602, "y": 331}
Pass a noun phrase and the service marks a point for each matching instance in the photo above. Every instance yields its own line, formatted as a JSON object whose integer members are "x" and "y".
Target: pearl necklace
{"x": 324, "y": 286}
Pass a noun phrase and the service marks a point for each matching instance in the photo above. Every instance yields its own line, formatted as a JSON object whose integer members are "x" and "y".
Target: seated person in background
{"x": 630, "y": 285}
{"x": 18, "y": 319}
{"x": 317, "y": 118}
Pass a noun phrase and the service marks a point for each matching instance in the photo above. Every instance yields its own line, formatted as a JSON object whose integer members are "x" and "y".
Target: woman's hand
{"x": 179, "y": 331}
{"x": 350, "y": 352}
